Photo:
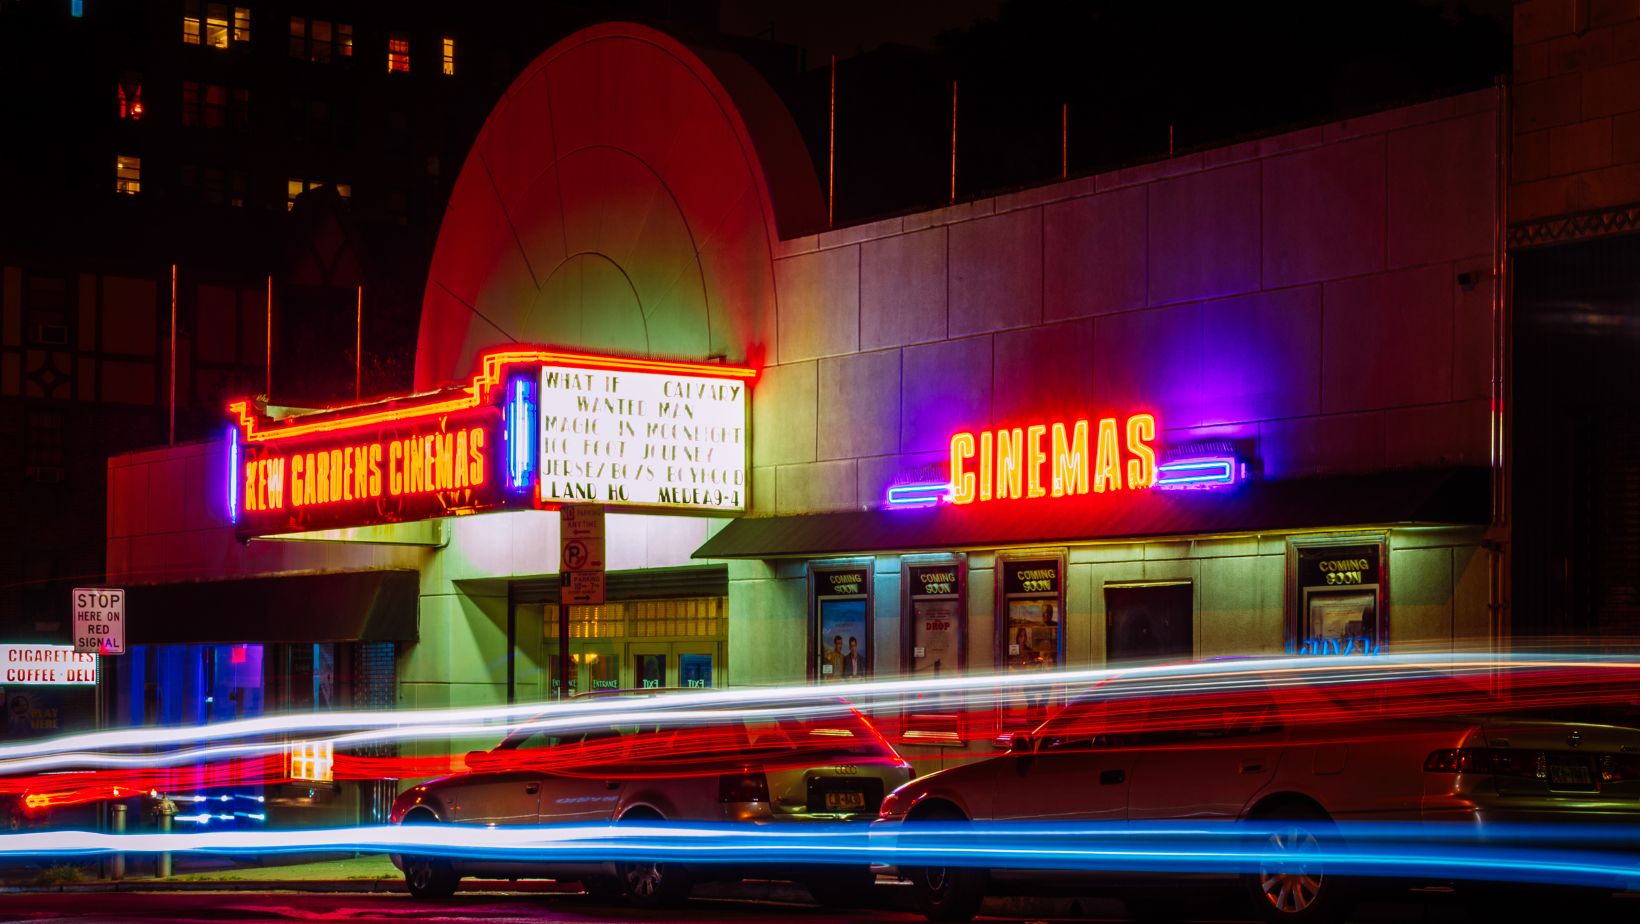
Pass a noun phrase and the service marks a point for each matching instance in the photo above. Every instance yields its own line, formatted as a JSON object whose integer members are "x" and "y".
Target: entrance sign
{"x": 99, "y": 620}
{"x": 46, "y": 665}
{"x": 581, "y": 554}
{"x": 643, "y": 438}
{"x": 534, "y": 428}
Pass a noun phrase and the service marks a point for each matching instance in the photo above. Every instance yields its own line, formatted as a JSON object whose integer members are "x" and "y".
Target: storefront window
{"x": 840, "y": 613}
{"x": 1338, "y": 598}
{"x": 1149, "y": 622}
{"x": 1031, "y": 633}
{"x": 634, "y": 644}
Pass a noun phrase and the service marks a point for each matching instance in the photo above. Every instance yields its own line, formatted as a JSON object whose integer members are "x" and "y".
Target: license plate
{"x": 1570, "y": 774}
{"x": 851, "y": 800}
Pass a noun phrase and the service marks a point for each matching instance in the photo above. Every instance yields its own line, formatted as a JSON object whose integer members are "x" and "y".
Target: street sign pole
{"x": 563, "y": 649}
{"x": 580, "y": 575}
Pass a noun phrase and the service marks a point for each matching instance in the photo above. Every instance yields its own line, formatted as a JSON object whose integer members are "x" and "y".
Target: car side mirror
{"x": 479, "y": 760}
{"x": 1021, "y": 743}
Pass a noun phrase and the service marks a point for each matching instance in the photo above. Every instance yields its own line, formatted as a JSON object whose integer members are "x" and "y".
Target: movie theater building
{"x": 1235, "y": 402}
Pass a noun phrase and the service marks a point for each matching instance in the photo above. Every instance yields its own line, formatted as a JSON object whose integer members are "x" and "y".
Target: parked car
{"x": 828, "y": 766}
{"x": 1278, "y": 752}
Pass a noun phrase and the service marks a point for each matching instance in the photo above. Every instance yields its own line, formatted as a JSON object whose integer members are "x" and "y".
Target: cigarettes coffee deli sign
{"x": 533, "y": 428}
{"x": 46, "y": 665}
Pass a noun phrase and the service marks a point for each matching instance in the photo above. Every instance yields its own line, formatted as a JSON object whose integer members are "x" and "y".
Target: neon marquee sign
{"x": 468, "y": 448}
{"x": 1058, "y": 459}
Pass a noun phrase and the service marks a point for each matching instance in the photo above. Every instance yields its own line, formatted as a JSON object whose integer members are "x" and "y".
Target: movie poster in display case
{"x": 840, "y": 647}
{"x": 934, "y": 613}
{"x": 1030, "y": 632}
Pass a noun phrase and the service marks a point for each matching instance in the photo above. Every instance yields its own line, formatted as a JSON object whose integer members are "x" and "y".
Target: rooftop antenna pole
{"x": 358, "y": 348}
{"x": 831, "y": 149}
{"x": 268, "y": 342}
{"x": 1064, "y": 140}
{"x": 953, "y": 142}
{"x": 173, "y": 399}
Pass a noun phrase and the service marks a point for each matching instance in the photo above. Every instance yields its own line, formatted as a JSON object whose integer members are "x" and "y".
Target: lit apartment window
{"x": 76, "y": 8}
{"x": 398, "y": 53}
{"x": 216, "y": 25}
{"x": 295, "y": 187}
{"x": 319, "y": 49}
{"x": 449, "y": 56}
{"x": 220, "y": 25}
{"x": 127, "y": 174}
{"x": 130, "y": 96}
{"x": 318, "y": 39}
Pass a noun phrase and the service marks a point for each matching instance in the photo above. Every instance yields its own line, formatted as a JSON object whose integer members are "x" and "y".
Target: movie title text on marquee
{"x": 46, "y": 665}
{"x": 645, "y": 439}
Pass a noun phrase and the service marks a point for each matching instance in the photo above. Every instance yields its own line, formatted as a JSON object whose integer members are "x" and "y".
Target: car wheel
{"x": 1292, "y": 884}
{"x": 945, "y": 893}
{"x": 841, "y": 886}
{"x": 428, "y": 877}
{"x": 655, "y": 885}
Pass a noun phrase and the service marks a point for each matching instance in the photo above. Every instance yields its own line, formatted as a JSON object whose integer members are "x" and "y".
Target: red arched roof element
{"x": 624, "y": 196}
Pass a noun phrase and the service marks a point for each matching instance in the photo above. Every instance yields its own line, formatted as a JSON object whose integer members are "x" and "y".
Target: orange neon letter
{"x": 987, "y": 462}
{"x": 962, "y": 481}
{"x": 1010, "y": 462}
{"x": 297, "y": 498}
{"x": 1107, "y": 467}
{"x": 395, "y": 470}
{"x": 375, "y": 470}
{"x": 1035, "y": 458}
{"x": 475, "y": 449}
{"x": 1070, "y": 460}
{"x": 1141, "y": 429}
{"x": 276, "y": 485}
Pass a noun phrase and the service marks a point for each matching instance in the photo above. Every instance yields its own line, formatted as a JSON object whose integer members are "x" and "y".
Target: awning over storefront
{"x": 1454, "y": 497}
{"x": 361, "y": 606}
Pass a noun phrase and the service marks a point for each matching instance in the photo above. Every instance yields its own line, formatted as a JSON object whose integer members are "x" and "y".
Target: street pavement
{"x": 285, "y": 907}
{"x": 549, "y": 908}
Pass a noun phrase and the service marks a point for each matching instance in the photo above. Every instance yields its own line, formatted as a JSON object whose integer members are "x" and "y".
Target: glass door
{"x": 649, "y": 665}
{"x": 594, "y": 665}
{"x": 698, "y": 665}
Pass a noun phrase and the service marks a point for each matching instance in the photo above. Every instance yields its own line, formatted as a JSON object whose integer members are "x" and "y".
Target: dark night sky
{"x": 844, "y": 27}
{"x": 1132, "y": 74}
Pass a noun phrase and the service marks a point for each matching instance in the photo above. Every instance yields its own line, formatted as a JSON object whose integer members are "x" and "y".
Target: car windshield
{"x": 703, "y": 741}
{"x": 1130, "y": 712}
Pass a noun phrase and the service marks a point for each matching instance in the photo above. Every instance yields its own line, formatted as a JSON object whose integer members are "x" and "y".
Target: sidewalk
{"x": 374, "y": 873}
{"x": 371, "y": 874}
